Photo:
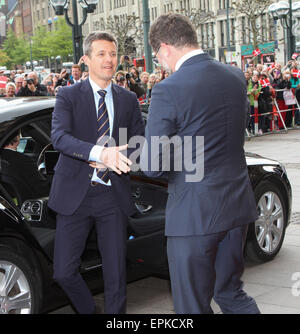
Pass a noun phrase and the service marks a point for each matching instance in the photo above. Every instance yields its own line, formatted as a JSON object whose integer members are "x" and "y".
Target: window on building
{"x": 222, "y": 32}
{"x": 232, "y": 31}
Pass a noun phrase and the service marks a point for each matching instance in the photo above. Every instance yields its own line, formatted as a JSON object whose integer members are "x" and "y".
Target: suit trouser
{"x": 100, "y": 208}
{"x": 203, "y": 267}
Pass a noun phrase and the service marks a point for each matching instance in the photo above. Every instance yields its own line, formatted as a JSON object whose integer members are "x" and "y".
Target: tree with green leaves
{"x": 255, "y": 13}
{"x": 4, "y": 59}
{"x": 16, "y": 49}
{"x": 43, "y": 44}
{"x": 128, "y": 31}
{"x": 58, "y": 42}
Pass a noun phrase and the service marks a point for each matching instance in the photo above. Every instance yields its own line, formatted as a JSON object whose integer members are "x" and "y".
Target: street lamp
{"x": 61, "y": 7}
{"x": 289, "y": 15}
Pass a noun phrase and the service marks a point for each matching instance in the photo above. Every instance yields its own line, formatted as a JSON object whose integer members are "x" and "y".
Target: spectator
{"x": 247, "y": 77}
{"x": 259, "y": 68}
{"x": 120, "y": 79}
{"x": 10, "y": 90}
{"x": 63, "y": 78}
{"x": 254, "y": 88}
{"x": 165, "y": 74}
{"x": 125, "y": 64}
{"x": 145, "y": 80}
{"x": 134, "y": 82}
{"x": 151, "y": 83}
{"x": 265, "y": 106}
{"x": 284, "y": 84}
{"x": 19, "y": 82}
{"x": 294, "y": 79}
{"x": 12, "y": 76}
{"x": 48, "y": 82}
{"x": 76, "y": 75}
{"x": 144, "y": 99}
{"x": 32, "y": 87}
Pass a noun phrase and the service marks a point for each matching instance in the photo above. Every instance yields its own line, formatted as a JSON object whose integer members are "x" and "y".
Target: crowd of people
{"x": 265, "y": 85}
{"x": 271, "y": 87}
{"x": 127, "y": 76}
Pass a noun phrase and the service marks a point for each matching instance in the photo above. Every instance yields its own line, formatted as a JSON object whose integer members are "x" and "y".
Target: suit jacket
{"x": 74, "y": 133}
{"x": 209, "y": 99}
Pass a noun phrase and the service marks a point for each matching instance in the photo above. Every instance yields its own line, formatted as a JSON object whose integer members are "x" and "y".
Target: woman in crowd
{"x": 10, "y": 90}
{"x": 253, "y": 91}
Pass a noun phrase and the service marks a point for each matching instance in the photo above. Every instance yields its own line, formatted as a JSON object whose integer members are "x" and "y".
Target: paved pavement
{"x": 274, "y": 285}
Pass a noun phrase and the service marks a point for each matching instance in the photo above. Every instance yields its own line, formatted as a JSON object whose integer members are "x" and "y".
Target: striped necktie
{"x": 103, "y": 131}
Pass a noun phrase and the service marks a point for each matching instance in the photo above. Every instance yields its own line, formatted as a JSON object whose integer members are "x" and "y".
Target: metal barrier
{"x": 275, "y": 113}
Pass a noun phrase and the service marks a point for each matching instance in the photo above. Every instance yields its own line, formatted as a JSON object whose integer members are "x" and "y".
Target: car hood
{"x": 255, "y": 159}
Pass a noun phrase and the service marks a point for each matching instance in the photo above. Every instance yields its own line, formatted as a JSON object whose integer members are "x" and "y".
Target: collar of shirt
{"x": 186, "y": 57}
{"x": 96, "y": 88}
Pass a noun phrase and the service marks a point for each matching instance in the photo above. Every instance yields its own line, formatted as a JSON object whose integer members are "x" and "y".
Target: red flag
{"x": 295, "y": 55}
{"x": 296, "y": 73}
{"x": 256, "y": 52}
{"x": 265, "y": 83}
{"x": 3, "y": 81}
{"x": 271, "y": 67}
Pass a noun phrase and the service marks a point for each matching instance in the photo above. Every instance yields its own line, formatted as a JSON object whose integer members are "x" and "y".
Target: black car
{"x": 27, "y": 225}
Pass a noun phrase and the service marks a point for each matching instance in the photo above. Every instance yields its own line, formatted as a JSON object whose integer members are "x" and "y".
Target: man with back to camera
{"x": 93, "y": 110}
{"x": 207, "y": 220}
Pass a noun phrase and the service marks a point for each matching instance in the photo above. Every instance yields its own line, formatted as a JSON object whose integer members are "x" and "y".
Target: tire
{"x": 266, "y": 235}
{"x": 19, "y": 290}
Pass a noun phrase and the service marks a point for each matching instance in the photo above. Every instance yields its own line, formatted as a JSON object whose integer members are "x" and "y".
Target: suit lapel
{"x": 117, "y": 105}
{"x": 89, "y": 105}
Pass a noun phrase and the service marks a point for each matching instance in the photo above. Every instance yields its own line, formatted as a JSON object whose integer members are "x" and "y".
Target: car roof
{"x": 20, "y": 106}
{"x": 13, "y": 109}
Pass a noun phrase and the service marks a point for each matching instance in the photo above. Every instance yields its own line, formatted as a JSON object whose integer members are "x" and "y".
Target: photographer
{"x": 134, "y": 82}
{"x": 63, "y": 78}
{"x": 48, "y": 82}
{"x": 120, "y": 79}
{"x": 32, "y": 87}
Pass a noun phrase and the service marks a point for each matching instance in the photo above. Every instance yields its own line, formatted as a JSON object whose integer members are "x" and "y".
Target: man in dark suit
{"x": 207, "y": 214}
{"x": 93, "y": 110}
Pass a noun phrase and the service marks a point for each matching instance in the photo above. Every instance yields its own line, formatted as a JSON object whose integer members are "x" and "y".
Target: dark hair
{"x": 13, "y": 138}
{"x": 173, "y": 29}
{"x": 97, "y": 36}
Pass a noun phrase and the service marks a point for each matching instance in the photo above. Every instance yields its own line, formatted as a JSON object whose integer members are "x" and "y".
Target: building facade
{"x": 222, "y": 31}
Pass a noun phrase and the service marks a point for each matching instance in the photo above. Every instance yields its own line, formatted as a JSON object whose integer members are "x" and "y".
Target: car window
{"x": 20, "y": 155}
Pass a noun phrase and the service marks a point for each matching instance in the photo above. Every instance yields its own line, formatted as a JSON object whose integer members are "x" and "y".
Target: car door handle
{"x": 143, "y": 208}
{"x": 137, "y": 193}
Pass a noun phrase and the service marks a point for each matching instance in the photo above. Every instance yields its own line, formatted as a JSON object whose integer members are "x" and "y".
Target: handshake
{"x": 112, "y": 158}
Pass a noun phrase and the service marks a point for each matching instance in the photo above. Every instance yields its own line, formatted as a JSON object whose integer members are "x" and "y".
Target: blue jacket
{"x": 74, "y": 133}
{"x": 207, "y": 99}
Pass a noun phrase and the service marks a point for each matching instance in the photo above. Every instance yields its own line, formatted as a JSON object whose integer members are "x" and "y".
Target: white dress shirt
{"x": 97, "y": 150}
{"x": 186, "y": 57}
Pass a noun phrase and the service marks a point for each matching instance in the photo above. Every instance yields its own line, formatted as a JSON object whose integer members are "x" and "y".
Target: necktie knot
{"x": 102, "y": 93}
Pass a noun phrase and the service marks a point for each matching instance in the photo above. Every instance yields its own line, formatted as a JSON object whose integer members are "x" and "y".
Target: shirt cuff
{"x": 96, "y": 153}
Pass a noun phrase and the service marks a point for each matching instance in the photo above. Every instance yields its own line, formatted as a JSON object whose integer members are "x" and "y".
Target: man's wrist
{"x": 95, "y": 153}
